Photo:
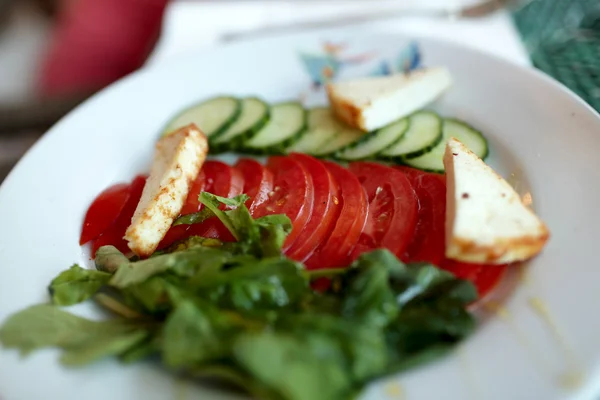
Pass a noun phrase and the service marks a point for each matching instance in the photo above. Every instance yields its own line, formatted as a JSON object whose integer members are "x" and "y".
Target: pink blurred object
{"x": 96, "y": 42}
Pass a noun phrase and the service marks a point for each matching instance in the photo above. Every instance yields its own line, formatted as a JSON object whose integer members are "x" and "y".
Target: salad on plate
{"x": 347, "y": 243}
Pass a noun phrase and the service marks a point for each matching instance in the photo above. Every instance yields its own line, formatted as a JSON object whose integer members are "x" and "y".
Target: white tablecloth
{"x": 192, "y": 25}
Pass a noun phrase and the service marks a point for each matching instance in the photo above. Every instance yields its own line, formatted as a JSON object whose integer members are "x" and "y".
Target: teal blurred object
{"x": 563, "y": 39}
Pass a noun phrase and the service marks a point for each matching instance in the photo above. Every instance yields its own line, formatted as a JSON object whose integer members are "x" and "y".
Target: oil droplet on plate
{"x": 394, "y": 391}
{"x": 574, "y": 378}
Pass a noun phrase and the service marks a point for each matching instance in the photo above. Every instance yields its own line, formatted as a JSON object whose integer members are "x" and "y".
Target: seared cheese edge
{"x": 178, "y": 159}
{"x": 372, "y": 103}
{"x": 486, "y": 221}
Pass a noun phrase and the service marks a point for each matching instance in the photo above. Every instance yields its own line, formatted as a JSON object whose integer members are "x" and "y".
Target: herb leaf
{"x": 76, "y": 285}
{"x": 194, "y": 334}
{"x": 109, "y": 259}
{"x": 266, "y": 284}
{"x": 48, "y": 326}
{"x": 182, "y": 263}
{"x": 262, "y": 237}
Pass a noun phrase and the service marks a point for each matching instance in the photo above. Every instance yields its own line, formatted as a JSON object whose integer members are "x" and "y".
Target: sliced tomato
{"x": 428, "y": 241}
{"x": 292, "y": 195}
{"x": 217, "y": 178}
{"x": 485, "y": 277}
{"x": 258, "y": 181}
{"x": 104, "y": 211}
{"x": 344, "y": 235}
{"x": 114, "y": 235}
{"x": 211, "y": 228}
{"x": 326, "y": 207}
{"x": 192, "y": 204}
{"x": 393, "y": 208}
{"x": 222, "y": 180}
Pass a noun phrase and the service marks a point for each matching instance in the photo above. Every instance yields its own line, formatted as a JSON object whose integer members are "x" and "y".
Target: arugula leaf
{"x": 76, "y": 285}
{"x": 274, "y": 229}
{"x": 101, "y": 347}
{"x": 270, "y": 283}
{"x": 47, "y": 326}
{"x": 295, "y": 367}
{"x": 109, "y": 259}
{"x": 182, "y": 263}
{"x": 367, "y": 291}
{"x": 195, "y": 218}
{"x": 194, "y": 333}
{"x": 141, "y": 350}
{"x": 197, "y": 241}
{"x": 262, "y": 237}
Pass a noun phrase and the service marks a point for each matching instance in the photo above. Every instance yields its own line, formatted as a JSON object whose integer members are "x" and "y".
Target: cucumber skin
{"x": 367, "y": 136}
{"x": 281, "y": 147}
{"x": 236, "y": 144}
{"x": 401, "y": 159}
{"x": 223, "y": 127}
{"x": 415, "y": 154}
{"x": 476, "y": 131}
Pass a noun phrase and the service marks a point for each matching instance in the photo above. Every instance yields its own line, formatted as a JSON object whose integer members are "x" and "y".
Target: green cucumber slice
{"x": 288, "y": 121}
{"x": 212, "y": 116}
{"x": 375, "y": 142}
{"x": 474, "y": 140}
{"x": 322, "y": 128}
{"x": 254, "y": 115}
{"x": 345, "y": 137}
{"x": 423, "y": 134}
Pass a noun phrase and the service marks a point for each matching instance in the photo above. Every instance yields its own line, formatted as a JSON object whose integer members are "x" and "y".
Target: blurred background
{"x": 56, "y": 53}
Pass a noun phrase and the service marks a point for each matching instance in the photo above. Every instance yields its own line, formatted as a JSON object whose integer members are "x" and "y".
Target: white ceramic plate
{"x": 539, "y": 132}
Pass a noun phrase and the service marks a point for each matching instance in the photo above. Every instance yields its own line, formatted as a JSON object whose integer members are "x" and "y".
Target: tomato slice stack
{"x": 428, "y": 240}
{"x": 393, "y": 208}
{"x": 258, "y": 182}
{"x": 292, "y": 195}
{"x": 113, "y": 235}
{"x": 325, "y": 208}
{"x": 335, "y": 250}
{"x": 337, "y": 213}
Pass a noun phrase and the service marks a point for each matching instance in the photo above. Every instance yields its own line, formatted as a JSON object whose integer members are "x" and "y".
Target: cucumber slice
{"x": 322, "y": 128}
{"x": 255, "y": 114}
{"x": 345, "y": 137}
{"x": 375, "y": 142}
{"x": 424, "y": 133}
{"x": 212, "y": 116}
{"x": 434, "y": 160}
{"x": 288, "y": 121}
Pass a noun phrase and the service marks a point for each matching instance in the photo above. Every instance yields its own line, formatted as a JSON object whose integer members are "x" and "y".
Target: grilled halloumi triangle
{"x": 372, "y": 103}
{"x": 178, "y": 159}
{"x": 486, "y": 221}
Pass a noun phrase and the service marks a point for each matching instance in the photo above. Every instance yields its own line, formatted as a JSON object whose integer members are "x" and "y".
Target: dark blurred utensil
{"x": 36, "y": 115}
{"x": 478, "y": 10}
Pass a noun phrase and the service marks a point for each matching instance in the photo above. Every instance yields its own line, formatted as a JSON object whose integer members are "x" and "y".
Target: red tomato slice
{"x": 293, "y": 195}
{"x": 222, "y": 180}
{"x": 192, "y": 205}
{"x": 326, "y": 207}
{"x": 484, "y": 277}
{"x": 258, "y": 182}
{"x": 428, "y": 240}
{"x": 104, "y": 211}
{"x": 393, "y": 208}
{"x": 348, "y": 225}
{"x": 217, "y": 178}
{"x": 211, "y": 228}
{"x": 114, "y": 234}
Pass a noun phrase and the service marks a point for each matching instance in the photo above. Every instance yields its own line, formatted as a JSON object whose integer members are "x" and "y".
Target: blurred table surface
{"x": 190, "y": 26}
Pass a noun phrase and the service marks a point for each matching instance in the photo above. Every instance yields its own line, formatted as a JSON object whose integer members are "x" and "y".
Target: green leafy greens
{"x": 244, "y": 313}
